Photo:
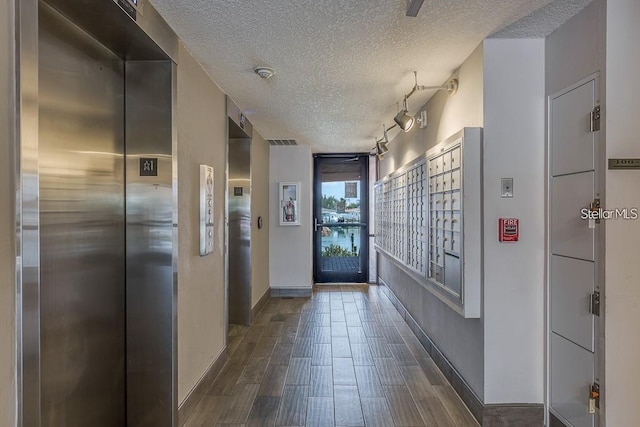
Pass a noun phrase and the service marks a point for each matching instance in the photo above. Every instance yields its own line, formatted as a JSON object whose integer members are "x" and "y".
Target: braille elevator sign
{"x": 148, "y": 166}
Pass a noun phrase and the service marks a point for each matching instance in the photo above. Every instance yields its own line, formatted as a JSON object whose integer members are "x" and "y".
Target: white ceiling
{"x": 341, "y": 64}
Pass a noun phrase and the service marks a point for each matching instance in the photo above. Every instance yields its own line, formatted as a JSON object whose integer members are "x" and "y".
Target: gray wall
{"x": 622, "y": 293}
{"x": 201, "y": 123}
{"x": 461, "y": 340}
{"x": 7, "y": 219}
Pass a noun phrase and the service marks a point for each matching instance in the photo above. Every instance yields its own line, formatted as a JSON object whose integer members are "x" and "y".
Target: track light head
{"x": 403, "y": 119}
{"x": 381, "y": 147}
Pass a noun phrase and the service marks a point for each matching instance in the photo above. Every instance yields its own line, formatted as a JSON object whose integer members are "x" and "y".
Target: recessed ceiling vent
{"x": 282, "y": 142}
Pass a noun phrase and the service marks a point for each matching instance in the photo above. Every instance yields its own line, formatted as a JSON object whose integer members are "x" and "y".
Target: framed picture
{"x": 289, "y": 195}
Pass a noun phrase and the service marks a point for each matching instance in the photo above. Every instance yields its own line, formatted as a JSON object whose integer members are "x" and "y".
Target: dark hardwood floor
{"x": 343, "y": 357}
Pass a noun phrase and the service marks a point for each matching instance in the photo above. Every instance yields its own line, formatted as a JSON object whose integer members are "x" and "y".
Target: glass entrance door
{"x": 340, "y": 209}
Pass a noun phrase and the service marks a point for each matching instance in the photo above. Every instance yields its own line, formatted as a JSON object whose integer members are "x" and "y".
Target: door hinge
{"x": 595, "y": 119}
{"x": 594, "y": 398}
{"x": 594, "y": 303}
{"x": 595, "y": 207}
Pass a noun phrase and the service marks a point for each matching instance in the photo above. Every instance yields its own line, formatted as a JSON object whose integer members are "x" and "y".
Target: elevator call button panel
{"x": 206, "y": 210}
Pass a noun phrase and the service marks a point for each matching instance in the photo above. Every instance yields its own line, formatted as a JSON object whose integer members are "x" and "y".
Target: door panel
{"x": 572, "y": 373}
{"x": 81, "y": 165}
{"x": 572, "y": 257}
{"x": 571, "y": 235}
{"x": 341, "y": 214}
{"x": 574, "y": 143}
{"x": 571, "y": 286}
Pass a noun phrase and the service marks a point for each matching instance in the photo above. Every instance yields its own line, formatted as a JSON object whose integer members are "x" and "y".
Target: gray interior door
{"x": 573, "y": 260}
{"x": 82, "y": 218}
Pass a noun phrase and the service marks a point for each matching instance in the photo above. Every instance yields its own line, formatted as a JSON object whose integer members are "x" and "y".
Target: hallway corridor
{"x": 344, "y": 357}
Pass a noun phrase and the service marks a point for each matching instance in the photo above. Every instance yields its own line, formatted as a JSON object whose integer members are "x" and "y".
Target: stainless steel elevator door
{"x": 82, "y": 305}
{"x": 239, "y": 163}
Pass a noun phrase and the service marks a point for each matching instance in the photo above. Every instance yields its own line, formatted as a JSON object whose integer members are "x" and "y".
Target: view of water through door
{"x": 340, "y": 208}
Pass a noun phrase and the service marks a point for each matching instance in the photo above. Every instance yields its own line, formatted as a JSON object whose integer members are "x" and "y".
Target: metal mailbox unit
{"x": 96, "y": 214}
{"x": 428, "y": 216}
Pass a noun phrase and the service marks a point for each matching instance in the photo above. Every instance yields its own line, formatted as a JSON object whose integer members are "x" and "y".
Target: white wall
{"x": 514, "y": 147}
{"x": 259, "y": 207}
{"x": 622, "y": 283}
{"x": 291, "y": 261}
{"x": 7, "y": 220}
{"x": 201, "y": 299}
{"x": 460, "y": 339}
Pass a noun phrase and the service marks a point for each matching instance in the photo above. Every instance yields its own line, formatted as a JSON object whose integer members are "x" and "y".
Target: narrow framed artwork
{"x": 289, "y": 195}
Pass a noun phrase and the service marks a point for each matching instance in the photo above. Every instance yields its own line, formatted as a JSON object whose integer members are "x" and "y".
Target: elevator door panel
{"x": 81, "y": 143}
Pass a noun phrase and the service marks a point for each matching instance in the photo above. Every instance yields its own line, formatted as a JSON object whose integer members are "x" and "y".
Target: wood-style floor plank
{"x": 299, "y": 371}
{"x": 321, "y": 384}
{"x": 388, "y": 372}
{"x": 339, "y": 329}
{"x": 226, "y": 381}
{"x": 264, "y": 347}
{"x": 403, "y": 409}
{"x": 273, "y": 381}
{"x": 417, "y": 381}
{"x": 348, "y": 411}
{"x": 303, "y": 347}
{"x": 434, "y": 412}
{"x": 281, "y": 354}
{"x": 361, "y": 354}
{"x": 454, "y": 406}
{"x": 293, "y": 406}
{"x": 240, "y": 406}
{"x": 379, "y": 348}
{"x": 321, "y": 355}
{"x": 323, "y": 335}
{"x": 320, "y": 412}
{"x": 254, "y": 372}
{"x": 356, "y": 335}
{"x": 343, "y": 372}
{"x": 340, "y": 347}
{"x": 431, "y": 371}
{"x": 376, "y": 412}
{"x": 208, "y": 411}
{"x": 402, "y": 355}
{"x": 264, "y": 411}
{"x": 369, "y": 384}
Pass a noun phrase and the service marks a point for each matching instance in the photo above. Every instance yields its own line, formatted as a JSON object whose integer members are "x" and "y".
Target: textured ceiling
{"x": 341, "y": 64}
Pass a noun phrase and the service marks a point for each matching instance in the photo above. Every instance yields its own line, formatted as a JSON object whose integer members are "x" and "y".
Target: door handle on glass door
{"x": 316, "y": 224}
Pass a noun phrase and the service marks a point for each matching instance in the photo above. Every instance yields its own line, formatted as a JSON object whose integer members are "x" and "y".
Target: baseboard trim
{"x": 517, "y": 414}
{"x": 555, "y": 421}
{"x": 497, "y": 415}
{"x": 200, "y": 390}
{"x": 291, "y": 292}
{"x": 260, "y": 304}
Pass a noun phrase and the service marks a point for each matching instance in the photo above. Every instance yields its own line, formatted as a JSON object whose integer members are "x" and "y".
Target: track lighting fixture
{"x": 403, "y": 119}
{"x": 380, "y": 149}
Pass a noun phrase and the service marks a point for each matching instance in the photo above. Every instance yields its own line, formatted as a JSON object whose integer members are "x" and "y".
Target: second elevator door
{"x": 82, "y": 306}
